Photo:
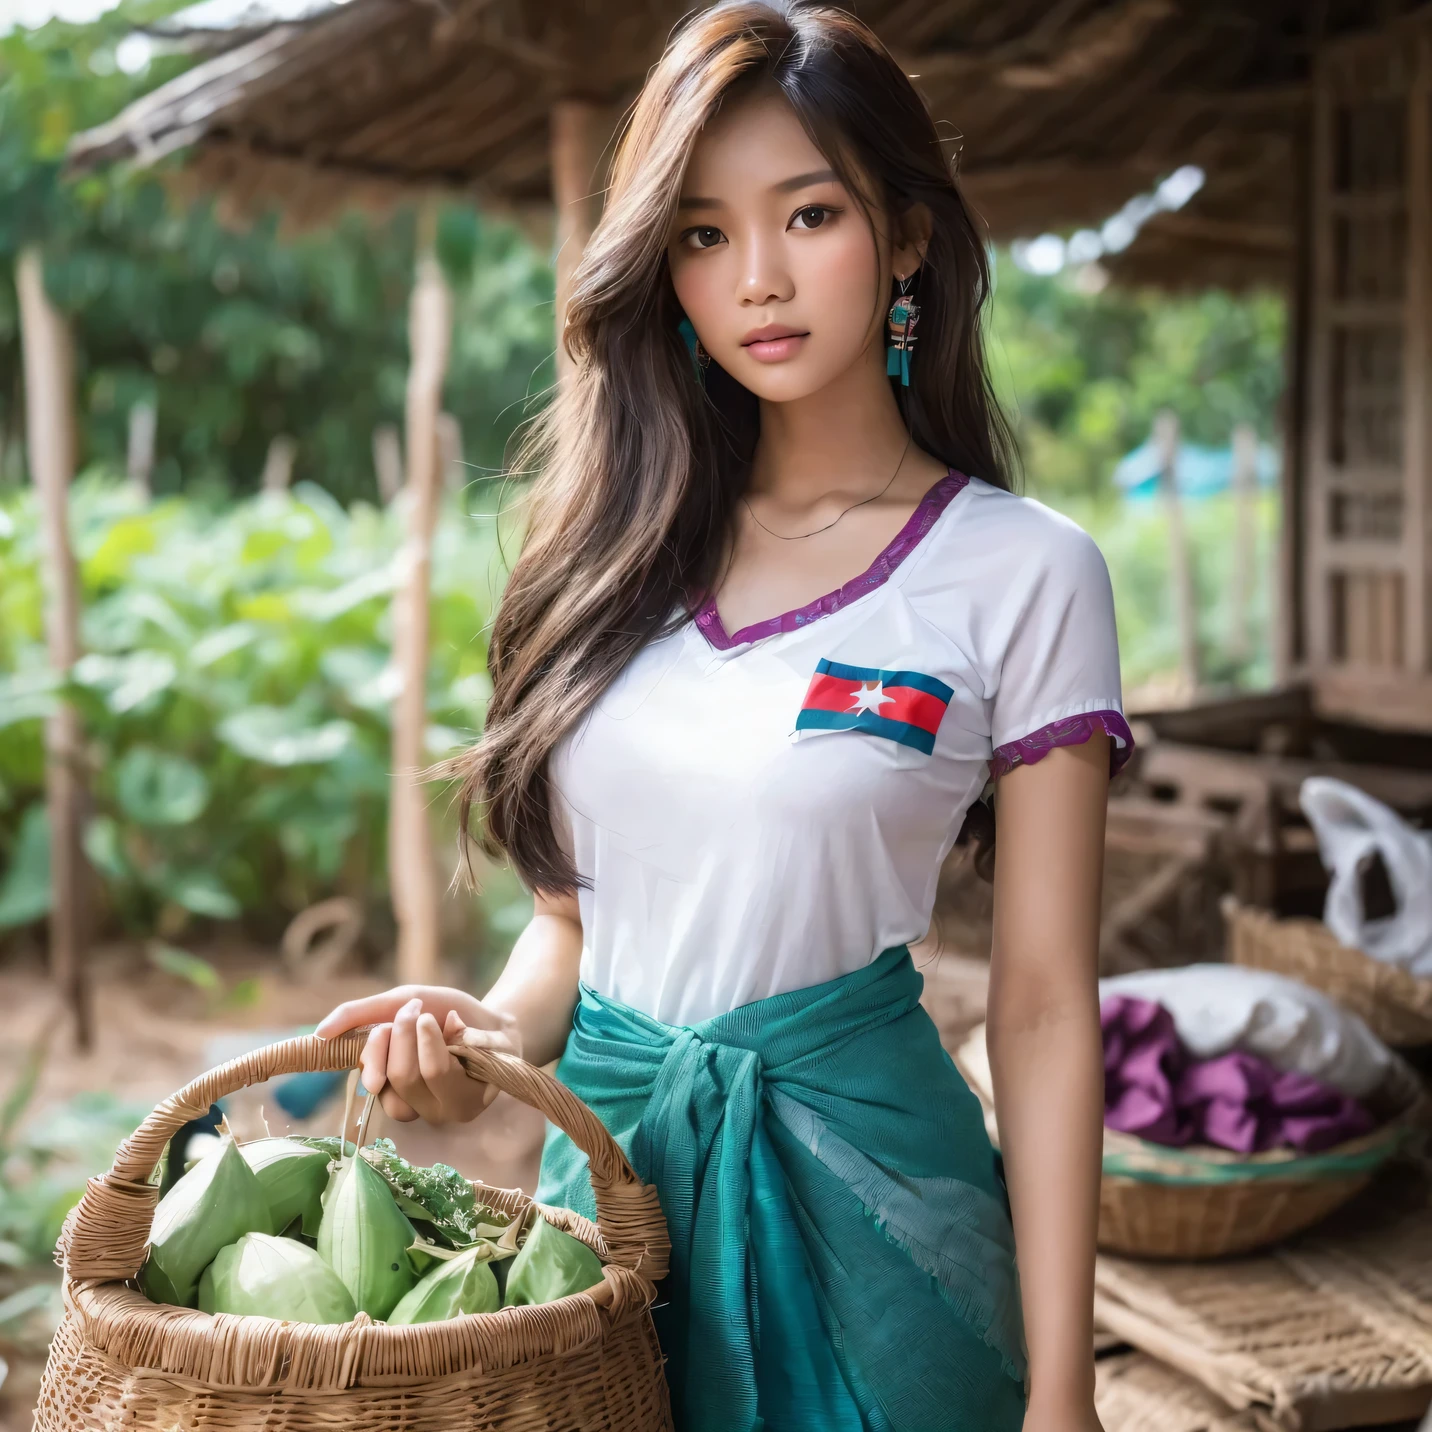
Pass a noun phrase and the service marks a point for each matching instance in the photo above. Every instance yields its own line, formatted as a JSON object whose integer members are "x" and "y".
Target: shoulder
{"x": 992, "y": 541}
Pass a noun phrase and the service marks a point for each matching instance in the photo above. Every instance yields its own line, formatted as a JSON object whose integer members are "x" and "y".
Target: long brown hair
{"x": 640, "y": 465}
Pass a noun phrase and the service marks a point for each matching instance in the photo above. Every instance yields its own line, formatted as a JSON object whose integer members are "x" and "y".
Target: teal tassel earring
{"x": 904, "y": 315}
{"x": 700, "y": 358}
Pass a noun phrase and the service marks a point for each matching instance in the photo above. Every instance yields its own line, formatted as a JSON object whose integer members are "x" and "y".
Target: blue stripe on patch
{"x": 900, "y": 731}
{"x": 916, "y": 680}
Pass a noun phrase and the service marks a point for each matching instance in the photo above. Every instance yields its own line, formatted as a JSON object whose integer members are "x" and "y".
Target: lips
{"x": 774, "y": 343}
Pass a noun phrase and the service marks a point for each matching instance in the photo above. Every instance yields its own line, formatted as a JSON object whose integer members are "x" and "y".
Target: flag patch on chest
{"x": 903, "y": 706}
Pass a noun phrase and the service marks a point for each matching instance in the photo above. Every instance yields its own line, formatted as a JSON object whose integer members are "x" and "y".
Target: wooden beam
{"x": 1242, "y": 233}
{"x": 1181, "y": 576}
{"x": 50, "y": 428}
{"x": 1044, "y": 60}
{"x": 1245, "y": 541}
{"x": 579, "y": 133}
{"x": 1417, "y": 394}
{"x": 1290, "y": 633}
{"x": 411, "y": 864}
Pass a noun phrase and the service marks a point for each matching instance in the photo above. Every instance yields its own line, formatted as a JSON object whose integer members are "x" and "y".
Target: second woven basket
{"x": 1159, "y": 1202}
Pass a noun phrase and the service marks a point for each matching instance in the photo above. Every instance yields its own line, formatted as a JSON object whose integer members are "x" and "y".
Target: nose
{"x": 765, "y": 277}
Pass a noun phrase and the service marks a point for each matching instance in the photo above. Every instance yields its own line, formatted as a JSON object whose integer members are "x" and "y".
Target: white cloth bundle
{"x": 1351, "y": 828}
{"x": 1217, "y": 1008}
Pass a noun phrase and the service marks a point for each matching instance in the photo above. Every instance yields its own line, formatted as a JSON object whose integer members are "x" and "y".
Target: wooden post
{"x": 411, "y": 869}
{"x": 450, "y": 470}
{"x": 1185, "y": 598}
{"x": 579, "y": 132}
{"x": 1290, "y": 605}
{"x": 388, "y": 461}
{"x": 1416, "y": 653}
{"x": 1245, "y": 540}
{"x": 139, "y": 463}
{"x": 278, "y": 463}
{"x": 49, "y": 422}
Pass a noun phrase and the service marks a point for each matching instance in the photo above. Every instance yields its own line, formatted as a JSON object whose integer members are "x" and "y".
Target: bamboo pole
{"x": 1245, "y": 536}
{"x": 388, "y": 461}
{"x": 579, "y": 132}
{"x": 277, "y": 472}
{"x": 139, "y": 457}
{"x": 1185, "y": 599}
{"x": 49, "y": 421}
{"x": 411, "y": 867}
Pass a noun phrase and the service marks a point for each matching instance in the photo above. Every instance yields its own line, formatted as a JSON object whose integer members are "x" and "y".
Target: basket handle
{"x": 107, "y": 1234}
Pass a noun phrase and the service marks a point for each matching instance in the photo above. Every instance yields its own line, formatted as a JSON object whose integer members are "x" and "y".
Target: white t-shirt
{"x": 765, "y": 811}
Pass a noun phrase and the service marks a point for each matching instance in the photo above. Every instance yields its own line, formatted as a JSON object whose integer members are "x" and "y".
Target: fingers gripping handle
{"x": 629, "y": 1216}
{"x": 106, "y": 1234}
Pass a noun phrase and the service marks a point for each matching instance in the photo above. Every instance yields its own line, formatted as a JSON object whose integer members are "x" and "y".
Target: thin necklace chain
{"x": 800, "y": 536}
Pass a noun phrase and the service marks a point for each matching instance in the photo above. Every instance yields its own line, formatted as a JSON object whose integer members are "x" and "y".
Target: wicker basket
{"x": 1200, "y": 1202}
{"x": 1396, "y": 1005}
{"x": 589, "y": 1361}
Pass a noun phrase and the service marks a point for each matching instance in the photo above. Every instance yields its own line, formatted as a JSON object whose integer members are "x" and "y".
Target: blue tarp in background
{"x": 1202, "y": 471}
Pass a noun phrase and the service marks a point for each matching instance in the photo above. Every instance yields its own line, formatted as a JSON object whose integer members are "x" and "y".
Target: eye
{"x": 705, "y": 236}
{"x": 811, "y": 217}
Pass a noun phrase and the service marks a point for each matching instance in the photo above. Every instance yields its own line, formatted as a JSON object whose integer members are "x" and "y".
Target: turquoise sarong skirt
{"x": 842, "y": 1255}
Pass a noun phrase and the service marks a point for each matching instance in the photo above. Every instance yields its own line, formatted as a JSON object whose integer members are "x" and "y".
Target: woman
{"x": 776, "y": 622}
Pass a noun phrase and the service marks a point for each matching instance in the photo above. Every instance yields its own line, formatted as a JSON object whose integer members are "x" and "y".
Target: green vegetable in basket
{"x": 269, "y": 1277}
{"x": 550, "y": 1265}
{"x": 464, "y": 1284}
{"x": 293, "y": 1176}
{"x": 364, "y": 1237}
{"x": 214, "y": 1204}
{"x": 439, "y": 1195}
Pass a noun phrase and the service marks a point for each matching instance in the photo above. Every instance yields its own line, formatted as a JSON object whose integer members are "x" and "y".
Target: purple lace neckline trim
{"x": 1071, "y": 731}
{"x": 708, "y": 619}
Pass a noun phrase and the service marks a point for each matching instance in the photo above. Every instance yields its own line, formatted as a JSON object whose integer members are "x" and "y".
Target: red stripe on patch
{"x": 829, "y": 693}
{"x": 837, "y": 693}
{"x": 916, "y": 708}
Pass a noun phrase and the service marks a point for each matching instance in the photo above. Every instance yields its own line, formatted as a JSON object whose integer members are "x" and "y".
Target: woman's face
{"x": 773, "y": 260}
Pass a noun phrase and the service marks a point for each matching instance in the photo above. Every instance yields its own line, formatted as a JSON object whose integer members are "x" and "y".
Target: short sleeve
{"x": 1058, "y": 678}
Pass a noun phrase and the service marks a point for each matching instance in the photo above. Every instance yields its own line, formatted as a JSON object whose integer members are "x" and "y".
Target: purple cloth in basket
{"x": 1154, "y": 1088}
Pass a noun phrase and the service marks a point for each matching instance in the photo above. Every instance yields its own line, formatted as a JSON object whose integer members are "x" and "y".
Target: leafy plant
{"x": 44, "y": 1164}
{"x": 235, "y": 694}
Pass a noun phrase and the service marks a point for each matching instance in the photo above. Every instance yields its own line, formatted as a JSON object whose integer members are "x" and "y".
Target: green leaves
{"x": 25, "y": 886}
{"x": 183, "y": 966}
{"x": 279, "y": 736}
{"x": 158, "y": 789}
{"x": 236, "y": 693}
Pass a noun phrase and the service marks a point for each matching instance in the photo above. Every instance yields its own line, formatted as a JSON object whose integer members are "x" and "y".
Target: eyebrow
{"x": 786, "y": 186}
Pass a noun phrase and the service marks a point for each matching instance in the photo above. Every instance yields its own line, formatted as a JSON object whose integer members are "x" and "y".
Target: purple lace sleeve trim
{"x": 934, "y": 502}
{"x": 1071, "y": 731}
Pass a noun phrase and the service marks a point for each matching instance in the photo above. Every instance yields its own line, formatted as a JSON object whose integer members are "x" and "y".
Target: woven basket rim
{"x": 1388, "y": 983}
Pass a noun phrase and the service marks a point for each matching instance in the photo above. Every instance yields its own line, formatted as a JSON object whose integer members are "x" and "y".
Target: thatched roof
{"x": 1062, "y": 109}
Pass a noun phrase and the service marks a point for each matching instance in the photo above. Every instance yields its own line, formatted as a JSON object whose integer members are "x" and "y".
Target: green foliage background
{"x": 236, "y": 336}
{"x": 235, "y": 693}
{"x": 1084, "y": 373}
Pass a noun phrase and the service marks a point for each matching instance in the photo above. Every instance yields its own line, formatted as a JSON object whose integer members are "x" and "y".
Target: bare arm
{"x": 1046, "y": 1058}
{"x": 527, "y": 1012}
{"x": 538, "y": 985}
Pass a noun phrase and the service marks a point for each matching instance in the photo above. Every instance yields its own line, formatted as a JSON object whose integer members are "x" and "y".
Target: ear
{"x": 912, "y": 238}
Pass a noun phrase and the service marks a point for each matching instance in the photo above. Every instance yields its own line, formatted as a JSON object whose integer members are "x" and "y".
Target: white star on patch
{"x": 870, "y": 696}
